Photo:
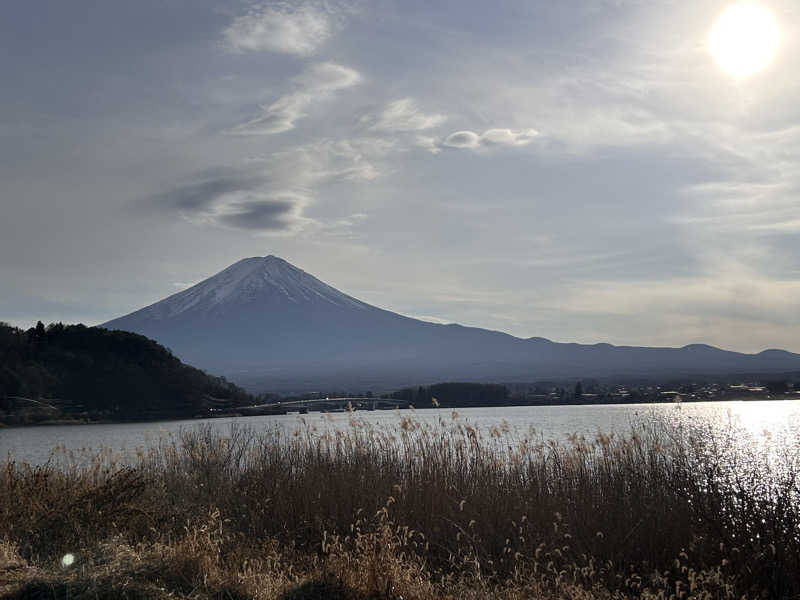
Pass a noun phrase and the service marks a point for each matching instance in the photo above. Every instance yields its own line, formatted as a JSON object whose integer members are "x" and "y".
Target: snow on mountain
{"x": 246, "y": 281}
{"x": 270, "y": 325}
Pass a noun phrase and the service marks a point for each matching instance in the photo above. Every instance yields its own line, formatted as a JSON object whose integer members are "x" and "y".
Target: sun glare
{"x": 744, "y": 39}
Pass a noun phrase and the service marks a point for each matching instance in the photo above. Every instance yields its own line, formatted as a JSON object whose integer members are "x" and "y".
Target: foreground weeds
{"x": 413, "y": 512}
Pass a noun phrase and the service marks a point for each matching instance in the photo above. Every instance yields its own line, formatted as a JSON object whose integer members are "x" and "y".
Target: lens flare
{"x": 67, "y": 560}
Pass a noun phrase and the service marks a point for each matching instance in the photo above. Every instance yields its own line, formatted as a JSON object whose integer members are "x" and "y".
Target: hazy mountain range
{"x": 271, "y": 326}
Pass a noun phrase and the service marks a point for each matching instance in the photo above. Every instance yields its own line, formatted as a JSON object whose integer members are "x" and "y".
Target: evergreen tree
{"x": 108, "y": 374}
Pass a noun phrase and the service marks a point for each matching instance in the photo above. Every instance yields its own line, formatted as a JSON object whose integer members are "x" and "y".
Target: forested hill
{"x": 75, "y": 370}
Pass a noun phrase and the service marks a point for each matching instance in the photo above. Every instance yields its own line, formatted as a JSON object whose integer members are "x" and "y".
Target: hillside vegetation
{"x": 454, "y": 395}
{"x": 88, "y": 372}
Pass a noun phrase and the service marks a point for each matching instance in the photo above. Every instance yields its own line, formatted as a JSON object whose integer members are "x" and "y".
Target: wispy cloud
{"x": 316, "y": 84}
{"x": 293, "y": 28}
{"x": 508, "y": 137}
{"x": 404, "y": 115}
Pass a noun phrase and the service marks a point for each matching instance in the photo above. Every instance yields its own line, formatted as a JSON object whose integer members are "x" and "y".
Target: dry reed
{"x": 416, "y": 511}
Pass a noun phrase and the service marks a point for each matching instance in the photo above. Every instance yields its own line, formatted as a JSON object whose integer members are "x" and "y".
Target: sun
{"x": 744, "y": 39}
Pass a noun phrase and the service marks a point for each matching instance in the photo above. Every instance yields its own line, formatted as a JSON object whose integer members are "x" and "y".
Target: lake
{"x": 770, "y": 424}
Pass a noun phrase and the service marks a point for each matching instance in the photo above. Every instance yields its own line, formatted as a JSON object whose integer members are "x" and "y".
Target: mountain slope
{"x": 106, "y": 374}
{"x": 270, "y": 325}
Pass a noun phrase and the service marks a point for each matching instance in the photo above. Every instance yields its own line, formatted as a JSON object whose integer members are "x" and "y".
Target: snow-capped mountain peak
{"x": 269, "y": 281}
{"x": 273, "y": 325}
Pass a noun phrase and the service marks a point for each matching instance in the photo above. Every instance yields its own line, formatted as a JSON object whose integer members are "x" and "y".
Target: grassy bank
{"x": 413, "y": 512}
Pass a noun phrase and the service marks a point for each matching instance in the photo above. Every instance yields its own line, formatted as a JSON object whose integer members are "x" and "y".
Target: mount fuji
{"x": 269, "y": 325}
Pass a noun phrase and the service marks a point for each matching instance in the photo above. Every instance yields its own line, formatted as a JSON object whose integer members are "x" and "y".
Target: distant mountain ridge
{"x": 271, "y": 326}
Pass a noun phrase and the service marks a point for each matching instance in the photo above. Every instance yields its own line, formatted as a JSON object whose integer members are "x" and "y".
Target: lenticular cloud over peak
{"x": 491, "y": 137}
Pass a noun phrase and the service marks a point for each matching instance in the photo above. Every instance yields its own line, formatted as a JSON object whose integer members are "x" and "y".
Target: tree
{"x": 578, "y": 391}
{"x": 9, "y": 382}
{"x": 777, "y": 387}
{"x": 106, "y": 373}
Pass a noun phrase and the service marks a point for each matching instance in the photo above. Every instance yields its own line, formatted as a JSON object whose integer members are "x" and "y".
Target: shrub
{"x": 416, "y": 511}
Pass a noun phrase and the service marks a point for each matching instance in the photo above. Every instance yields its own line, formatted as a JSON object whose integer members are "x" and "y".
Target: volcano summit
{"x": 269, "y": 325}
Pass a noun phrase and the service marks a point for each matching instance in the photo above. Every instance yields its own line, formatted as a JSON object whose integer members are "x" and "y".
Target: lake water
{"x": 770, "y": 424}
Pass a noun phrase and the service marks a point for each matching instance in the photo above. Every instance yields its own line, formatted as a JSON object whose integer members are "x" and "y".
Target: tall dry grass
{"x": 415, "y": 511}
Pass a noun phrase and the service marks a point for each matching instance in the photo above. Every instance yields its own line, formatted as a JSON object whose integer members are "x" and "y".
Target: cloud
{"x": 270, "y": 194}
{"x": 325, "y": 161}
{"x": 316, "y": 84}
{"x": 462, "y": 139}
{"x": 350, "y": 220}
{"x": 277, "y": 117}
{"x": 264, "y": 212}
{"x": 404, "y": 115}
{"x": 291, "y": 28}
{"x": 204, "y": 188}
{"x": 343, "y": 228}
{"x": 235, "y": 198}
{"x": 429, "y": 143}
{"x": 469, "y": 140}
{"x": 508, "y": 137}
{"x": 327, "y": 77}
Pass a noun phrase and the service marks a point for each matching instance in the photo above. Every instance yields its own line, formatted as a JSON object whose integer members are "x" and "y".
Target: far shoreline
{"x": 75, "y": 422}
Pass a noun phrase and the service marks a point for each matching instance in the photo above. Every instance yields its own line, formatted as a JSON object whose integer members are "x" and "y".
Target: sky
{"x": 583, "y": 170}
